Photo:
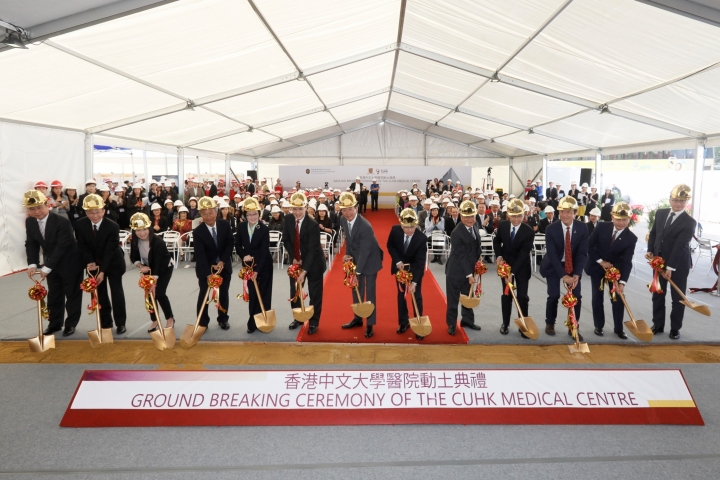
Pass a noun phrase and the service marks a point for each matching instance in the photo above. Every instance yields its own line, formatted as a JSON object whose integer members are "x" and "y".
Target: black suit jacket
{"x": 311, "y": 252}
{"x": 103, "y": 249}
{"x": 258, "y": 247}
{"x": 555, "y": 245}
{"x": 672, "y": 242}
{"x": 450, "y": 224}
{"x": 491, "y": 222}
{"x": 620, "y": 253}
{"x": 591, "y": 227}
{"x": 464, "y": 252}
{"x": 158, "y": 258}
{"x": 542, "y": 226}
{"x": 60, "y": 250}
{"x": 415, "y": 254}
{"x": 352, "y": 186}
{"x": 207, "y": 253}
{"x": 517, "y": 253}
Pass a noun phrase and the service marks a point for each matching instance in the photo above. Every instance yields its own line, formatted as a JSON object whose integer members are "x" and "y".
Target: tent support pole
{"x": 425, "y": 148}
{"x": 598, "y": 171}
{"x": 89, "y": 151}
{"x": 227, "y": 171}
{"x": 181, "y": 171}
{"x": 510, "y": 174}
{"x": 544, "y": 171}
{"x": 698, "y": 178}
{"x": 341, "y": 150}
{"x": 145, "y": 169}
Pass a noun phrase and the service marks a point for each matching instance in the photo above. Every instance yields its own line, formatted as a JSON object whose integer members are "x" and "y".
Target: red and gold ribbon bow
{"x": 404, "y": 277}
{"x": 612, "y": 276}
{"x": 350, "y": 280}
{"x": 245, "y": 274}
{"x": 480, "y": 269}
{"x": 146, "y": 282}
{"x": 294, "y": 272}
{"x": 657, "y": 264}
{"x": 38, "y": 293}
{"x": 214, "y": 283}
{"x": 89, "y": 285}
{"x": 504, "y": 271}
{"x": 569, "y": 301}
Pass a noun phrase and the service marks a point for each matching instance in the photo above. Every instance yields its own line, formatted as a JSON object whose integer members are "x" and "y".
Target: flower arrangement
{"x": 637, "y": 212}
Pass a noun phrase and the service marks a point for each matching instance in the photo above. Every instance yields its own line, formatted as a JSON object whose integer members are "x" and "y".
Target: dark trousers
{"x": 362, "y": 207}
{"x": 315, "y": 293}
{"x": 598, "y": 305}
{"x": 402, "y": 304}
{"x": 116, "y": 309}
{"x": 366, "y": 285}
{"x": 553, "y": 291}
{"x": 161, "y": 295}
{"x": 264, "y": 280}
{"x": 506, "y": 301}
{"x": 454, "y": 286}
{"x": 373, "y": 201}
{"x": 677, "y": 311}
{"x": 64, "y": 295}
{"x": 224, "y": 303}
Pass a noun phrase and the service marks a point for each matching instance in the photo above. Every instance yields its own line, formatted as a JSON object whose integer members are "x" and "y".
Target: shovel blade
{"x": 303, "y": 316}
{"x": 701, "y": 309}
{"x": 266, "y": 323}
{"x": 158, "y": 340}
{"x": 469, "y": 302}
{"x": 95, "y": 339}
{"x": 421, "y": 325}
{"x": 529, "y": 329}
{"x": 169, "y": 338}
{"x": 580, "y": 348}
{"x": 640, "y": 330}
{"x": 363, "y": 310}
{"x": 39, "y": 345}
{"x": 106, "y": 335}
{"x": 191, "y": 336}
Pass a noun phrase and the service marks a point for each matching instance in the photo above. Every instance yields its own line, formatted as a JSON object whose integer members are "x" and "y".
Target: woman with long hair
{"x": 73, "y": 204}
{"x": 121, "y": 200}
{"x": 434, "y": 223}
{"x": 150, "y": 254}
{"x": 225, "y": 212}
{"x": 183, "y": 224}
{"x": 111, "y": 208}
{"x": 323, "y": 219}
{"x": 277, "y": 219}
{"x": 192, "y": 208}
{"x": 59, "y": 203}
{"x": 159, "y": 222}
{"x": 135, "y": 201}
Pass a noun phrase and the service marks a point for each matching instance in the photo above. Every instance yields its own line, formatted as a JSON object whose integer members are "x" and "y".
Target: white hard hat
{"x": 532, "y": 200}
{"x": 90, "y": 181}
{"x": 285, "y": 204}
{"x": 323, "y": 207}
{"x": 549, "y": 209}
{"x": 103, "y": 188}
{"x": 494, "y": 202}
{"x": 428, "y": 202}
{"x": 595, "y": 211}
{"x": 413, "y": 197}
{"x": 118, "y": 189}
{"x": 511, "y": 196}
{"x": 584, "y": 185}
{"x": 434, "y": 205}
{"x": 155, "y": 206}
{"x": 183, "y": 209}
{"x": 275, "y": 209}
{"x": 168, "y": 200}
{"x": 178, "y": 203}
{"x": 273, "y": 202}
{"x": 223, "y": 204}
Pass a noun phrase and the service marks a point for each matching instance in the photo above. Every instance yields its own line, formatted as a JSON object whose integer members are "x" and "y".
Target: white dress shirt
{"x": 42, "y": 225}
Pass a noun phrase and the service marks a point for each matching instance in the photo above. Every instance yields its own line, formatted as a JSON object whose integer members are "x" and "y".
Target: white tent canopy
{"x": 258, "y": 77}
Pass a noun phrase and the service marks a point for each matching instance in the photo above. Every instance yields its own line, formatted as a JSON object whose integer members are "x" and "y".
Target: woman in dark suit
{"x": 252, "y": 243}
{"x": 158, "y": 221}
{"x": 149, "y": 253}
{"x": 111, "y": 208}
{"x": 607, "y": 201}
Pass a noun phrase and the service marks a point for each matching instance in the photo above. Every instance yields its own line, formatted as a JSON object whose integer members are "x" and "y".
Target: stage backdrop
{"x": 29, "y": 154}
{"x": 391, "y": 179}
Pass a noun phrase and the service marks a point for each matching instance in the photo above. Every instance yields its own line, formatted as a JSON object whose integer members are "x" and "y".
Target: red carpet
{"x": 337, "y": 299}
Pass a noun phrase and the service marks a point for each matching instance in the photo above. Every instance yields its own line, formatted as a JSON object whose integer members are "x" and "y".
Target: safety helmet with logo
{"x": 567, "y": 203}
{"x": 468, "y": 208}
{"x": 680, "y": 192}
{"x": 251, "y": 205}
{"x": 205, "y": 203}
{"x": 347, "y": 200}
{"x": 139, "y": 221}
{"x": 33, "y": 198}
{"x": 408, "y": 218}
{"x": 298, "y": 199}
{"x": 93, "y": 202}
{"x": 621, "y": 211}
{"x": 515, "y": 207}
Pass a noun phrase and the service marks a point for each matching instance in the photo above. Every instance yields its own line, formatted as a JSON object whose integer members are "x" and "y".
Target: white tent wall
{"x": 29, "y": 154}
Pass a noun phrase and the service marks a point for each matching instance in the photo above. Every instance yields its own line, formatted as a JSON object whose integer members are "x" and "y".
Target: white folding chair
{"x": 171, "y": 239}
{"x": 276, "y": 246}
{"x": 438, "y": 244}
{"x": 706, "y": 248}
{"x": 326, "y": 244}
{"x": 185, "y": 246}
{"x": 486, "y": 246}
{"x": 125, "y": 238}
{"x": 539, "y": 248}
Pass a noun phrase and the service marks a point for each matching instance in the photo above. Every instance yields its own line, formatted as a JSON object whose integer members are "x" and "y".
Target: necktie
{"x": 296, "y": 243}
{"x": 613, "y": 237}
{"x": 512, "y": 235}
{"x": 42, "y": 229}
{"x": 472, "y": 232}
{"x": 94, "y": 231}
{"x": 214, "y": 234}
{"x": 670, "y": 219}
{"x": 568, "y": 252}
{"x": 349, "y": 229}
{"x": 407, "y": 242}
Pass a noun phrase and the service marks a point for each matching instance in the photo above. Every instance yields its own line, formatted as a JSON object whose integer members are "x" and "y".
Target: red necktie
{"x": 296, "y": 243}
{"x": 568, "y": 253}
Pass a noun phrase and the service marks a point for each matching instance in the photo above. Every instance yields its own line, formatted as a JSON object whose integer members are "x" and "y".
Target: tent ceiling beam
{"x": 350, "y": 60}
{"x": 215, "y": 137}
{"x": 688, "y": 8}
{"x": 440, "y": 137}
{"x": 321, "y": 139}
{"x": 401, "y": 24}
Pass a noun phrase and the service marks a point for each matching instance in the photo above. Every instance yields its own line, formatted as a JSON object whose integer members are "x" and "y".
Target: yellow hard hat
{"x": 251, "y": 205}
{"x": 680, "y": 192}
{"x": 205, "y": 203}
{"x": 621, "y": 211}
{"x": 347, "y": 200}
{"x": 408, "y": 218}
{"x": 139, "y": 221}
{"x": 93, "y": 202}
{"x": 468, "y": 209}
{"x": 515, "y": 207}
{"x": 33, "y": 198}
{"x": 298, "y": 199}
{"x": 567, "y": 203}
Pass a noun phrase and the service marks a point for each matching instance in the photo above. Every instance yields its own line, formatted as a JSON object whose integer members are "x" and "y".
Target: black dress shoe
{"x": 550, "y": 329}
{"x": 312, "y": 329}
{"x": 621, "y": 335}
{"x": 471, "y": 326}
{"x": 68, "y": 331}
{"x": 674, "y": 334}
{"x": 402, "y": 328}
{"x": 50, "y": 331}
{"x": 294, "y": 324}
{"x": 249, "y": 329}
{"x": 121, "y": 329}
{"x": 452, "y": 329}
{"x": 418, "y": 337}
{"x": 656, "y": 330}
{"x": 599, "y": 332}
{"x": 523, "y": 335}
{"x": 355, "y": 322}
{"x": 150, "y": 330}
{"x": 369, "y": 331}
{"x": 225, "y": 325}
{"x": 504, "y": 329}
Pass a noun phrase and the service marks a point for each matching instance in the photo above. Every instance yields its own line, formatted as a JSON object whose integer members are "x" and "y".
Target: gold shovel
{"x": 470, "y": 300}
{"x": 301, "y": 314}
{"x": 41, "y": 343}
{"x": 193, "y": 333}
{"x": 163, "y": 338}
{"x": 100, "y": 336}
{"x": 525, "y": 324}
{"x": 638, "y": 328}
{"x": 266, "y": 320}
{"x": 702, "y": 309}
{"x": 364, "y": 309}
{"x": 577, "y": 347}
{"x": 420, "y": 325}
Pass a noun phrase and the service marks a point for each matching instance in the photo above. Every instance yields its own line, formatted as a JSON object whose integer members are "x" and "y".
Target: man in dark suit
{"x": 301, "y": 237}
{"x": 593, "y": 220}
{"x": 98, "y": 240}
{"x": 551, "y": 195}
{"x": 213, "y": 241}
{"x": 513, "y": 243}
{"x": 54, "y": 235}
{"x": 567, "y": 250}
{"x": 611, "y": 244}
{"x": 408, "y": 245}
{"x": 363, "y": 249}
{"x": 670, "y": 239}
{"x": 452, "y": 219}
{"x": 356, "y": 186}
{"x": 460, "y": 267}
{"x": 492, "y": 219}
{"x": 548, "y": 220}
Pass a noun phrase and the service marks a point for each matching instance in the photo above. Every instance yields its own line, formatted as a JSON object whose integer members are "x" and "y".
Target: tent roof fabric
{"x": 260, "y": 77}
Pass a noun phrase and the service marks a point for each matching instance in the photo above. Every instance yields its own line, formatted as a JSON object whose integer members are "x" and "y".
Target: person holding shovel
{"x": 252, "y": 243}
{"x": 513, "y": 243}
{"x": 610, "y": 245}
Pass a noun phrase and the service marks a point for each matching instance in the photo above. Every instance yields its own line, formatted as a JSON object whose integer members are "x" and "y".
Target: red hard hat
{"x": 56, "y": 183}
{"x": 40, "y": 184}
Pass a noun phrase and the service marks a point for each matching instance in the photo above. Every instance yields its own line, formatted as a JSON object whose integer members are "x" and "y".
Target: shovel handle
{"x": 517, "y": 304}
{"x": 202, "y": 309}
{"x": 257, "y": 290}
{"x": 298, "y": 288}
{"x": 41, "y": 337}
{"x": 157, "y": 316}
{"x": 627, "y": 307}
{"x": 678, "y": 290}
